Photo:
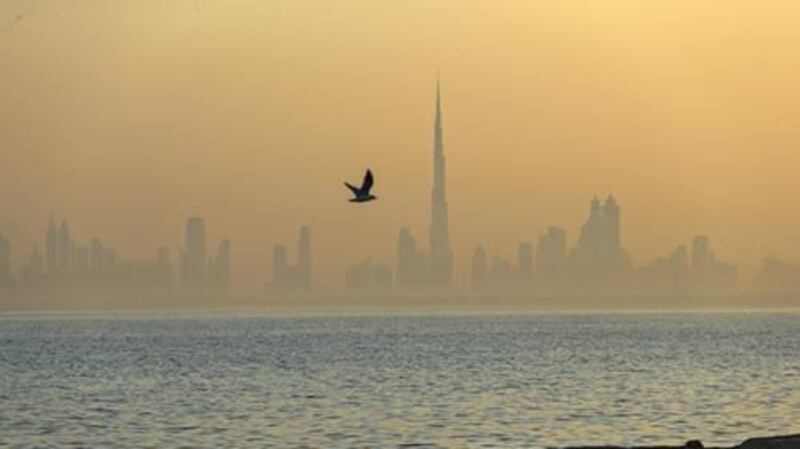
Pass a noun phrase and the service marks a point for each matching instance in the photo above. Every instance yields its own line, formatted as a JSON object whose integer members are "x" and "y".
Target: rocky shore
{"x": 779, "y": 442}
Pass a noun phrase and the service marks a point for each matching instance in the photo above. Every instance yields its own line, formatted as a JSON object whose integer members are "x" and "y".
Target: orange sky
{"x": 126, "y": 117}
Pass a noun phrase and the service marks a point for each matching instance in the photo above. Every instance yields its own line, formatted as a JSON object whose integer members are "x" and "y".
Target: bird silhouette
{"x": 362, "y": 194}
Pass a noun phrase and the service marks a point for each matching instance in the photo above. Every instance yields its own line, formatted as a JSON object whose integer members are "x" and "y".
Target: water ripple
{"x": 405, "y": 382}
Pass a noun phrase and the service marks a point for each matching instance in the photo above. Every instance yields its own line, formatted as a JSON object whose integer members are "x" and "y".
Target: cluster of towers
{"x": 597, "y": 261}
{"x": 599, "y": 251}
{"x": 69, "y": 266}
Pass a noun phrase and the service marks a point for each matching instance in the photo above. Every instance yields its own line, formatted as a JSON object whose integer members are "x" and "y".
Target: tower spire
{"x": 440, "y": 251}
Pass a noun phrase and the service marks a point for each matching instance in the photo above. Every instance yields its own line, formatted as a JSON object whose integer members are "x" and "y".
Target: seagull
{"x": 362, "y": 194}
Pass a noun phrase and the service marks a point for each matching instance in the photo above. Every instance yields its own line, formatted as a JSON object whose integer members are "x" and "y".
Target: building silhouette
{"x": 498, "y": 274}
{"x": 51, "y": 247}
{"x": 551, "y": 256}
{"x": 64, "y": 248}
{"x": 69, "y": 265}
{"x": 679, "y": 264}
{"x": 707, "y": 273}
{"x": 73, "y": 268}
{"x": 193, "y": 256}
{"x": 666, "y": 274}
{"x": 479, "y": 269}
{"x": 702, "y": 257}
{"x": 292, "y": 277}
{"x": 502, "y": 274}
{"x": 220, "y": 268}
{"x": 441, "y": 254}
{"x": 599, "y": 257}
{"x": 416, "y": 269}
{"x": 412, "y": 264}
{"x": 101, "y": 259}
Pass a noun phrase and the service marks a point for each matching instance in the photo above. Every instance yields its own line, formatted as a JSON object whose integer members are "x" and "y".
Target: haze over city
{"x": 400, "y": 223}
{"x": 126, "y": 119}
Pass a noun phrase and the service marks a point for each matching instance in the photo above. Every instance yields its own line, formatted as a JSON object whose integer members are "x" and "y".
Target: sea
{"x": 371, "y": 380}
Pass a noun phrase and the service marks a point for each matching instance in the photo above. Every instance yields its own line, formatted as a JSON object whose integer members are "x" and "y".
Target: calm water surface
{"x": 370, "y": 381}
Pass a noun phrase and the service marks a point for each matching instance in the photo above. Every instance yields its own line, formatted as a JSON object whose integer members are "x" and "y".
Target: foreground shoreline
{"x": 774, "y": 442}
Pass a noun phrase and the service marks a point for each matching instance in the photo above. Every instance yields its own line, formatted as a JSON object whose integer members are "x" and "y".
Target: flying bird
{"x": 362, "y": 194}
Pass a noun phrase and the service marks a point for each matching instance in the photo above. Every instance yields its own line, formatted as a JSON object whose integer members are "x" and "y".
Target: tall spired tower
{"x": 441, "y": 255}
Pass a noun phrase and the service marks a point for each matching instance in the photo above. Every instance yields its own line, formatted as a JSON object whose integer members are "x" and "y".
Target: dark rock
{"x": 783, "y": 442}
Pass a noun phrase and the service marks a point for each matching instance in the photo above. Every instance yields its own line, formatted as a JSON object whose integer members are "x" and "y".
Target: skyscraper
{"x": 407, "y": 267}
{"x": 412, "y": 265}
{"x": 612, "y": 226}
{"x": 304, "y": 257}
{"x": 64, "y": 248}
{"x": 551, "y": 254}
{"x": 441, "y": 255}
{"x": 679, "y": 260}
{"x": 193, "y": 257}
{"x": 702, "y": 257}
{"x": 599, "y": 253}
{"x": 51, "y": 247}
{"x": 221, "y": 268}
{"x": 479, "y": 268}
{"x": 706, "y": 270}
{"x": 297, "y": 276}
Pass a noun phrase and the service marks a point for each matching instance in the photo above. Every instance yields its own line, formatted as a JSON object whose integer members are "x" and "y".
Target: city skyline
{"x": 595, "y": 262}
{"x": 560, "y": 105}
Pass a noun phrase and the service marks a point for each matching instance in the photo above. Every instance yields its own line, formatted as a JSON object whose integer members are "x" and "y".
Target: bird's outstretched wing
{"x": 368, "y": 181}
{"x": 352, "y": 188}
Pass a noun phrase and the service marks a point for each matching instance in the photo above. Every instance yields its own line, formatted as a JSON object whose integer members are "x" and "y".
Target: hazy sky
{"x": 126, "y": 117}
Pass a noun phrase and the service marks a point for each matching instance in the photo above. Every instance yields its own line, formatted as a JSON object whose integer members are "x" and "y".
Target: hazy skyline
{"x": 126, "y": 118}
